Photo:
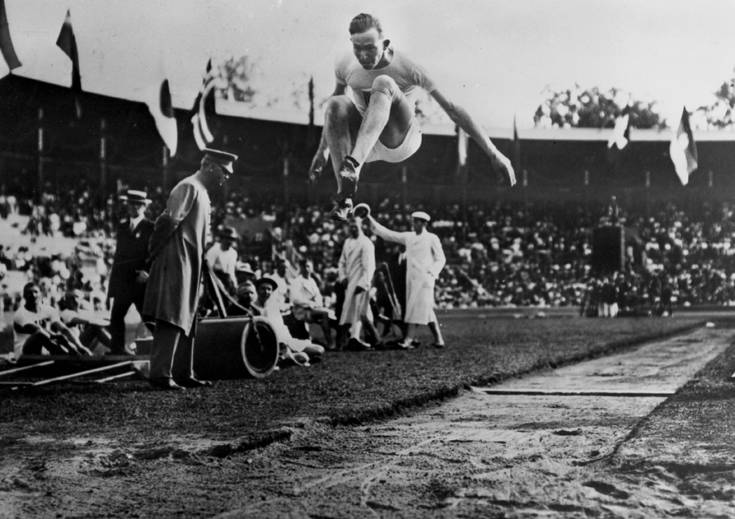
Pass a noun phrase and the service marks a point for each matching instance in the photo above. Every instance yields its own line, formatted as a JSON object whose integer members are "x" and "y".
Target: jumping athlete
{"x": 375, "y": 119}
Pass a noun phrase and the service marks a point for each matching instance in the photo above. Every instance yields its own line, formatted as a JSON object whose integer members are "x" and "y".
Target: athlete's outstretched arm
{"x": 322, "y": 153}
{"x": 462, "y": 118}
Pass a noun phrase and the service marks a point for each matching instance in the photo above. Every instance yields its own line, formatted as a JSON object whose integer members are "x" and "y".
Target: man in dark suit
{"x": 129, "y": 268}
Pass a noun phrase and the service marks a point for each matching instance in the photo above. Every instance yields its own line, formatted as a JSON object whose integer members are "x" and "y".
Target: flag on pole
{"x": 160, "y": 107}
{"x": 67, "y": 42}
{"x": 204, "y": 106}
{"x": 621, "y": 133}
{"x": 461, "y": 146}
{"x": 6, "y": 44}
{"x": 683, "y": 149}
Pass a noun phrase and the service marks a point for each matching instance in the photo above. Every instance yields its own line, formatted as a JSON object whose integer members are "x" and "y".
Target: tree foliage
{"x": 593, "y": 108}
{"x": 720, "y": 114}
{"x": 238, "y": 73}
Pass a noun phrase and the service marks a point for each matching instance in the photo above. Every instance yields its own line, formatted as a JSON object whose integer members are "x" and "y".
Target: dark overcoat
{"x": 177, "y": 248}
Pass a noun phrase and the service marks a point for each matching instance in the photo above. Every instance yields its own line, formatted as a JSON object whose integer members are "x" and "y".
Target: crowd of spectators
{"x": 498, "y": 253}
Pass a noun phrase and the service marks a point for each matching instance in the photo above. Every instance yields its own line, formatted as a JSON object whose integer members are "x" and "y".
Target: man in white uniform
{"x": 356, "y": 269}
{"x": 424, "y": 261}
{"x": 375, "y": 119}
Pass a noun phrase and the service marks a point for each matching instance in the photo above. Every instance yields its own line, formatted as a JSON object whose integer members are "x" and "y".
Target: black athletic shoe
{"x": 349, "y": 176}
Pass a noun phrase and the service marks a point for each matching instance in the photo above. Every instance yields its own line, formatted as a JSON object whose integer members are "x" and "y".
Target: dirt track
{"x": 479, "y": 455}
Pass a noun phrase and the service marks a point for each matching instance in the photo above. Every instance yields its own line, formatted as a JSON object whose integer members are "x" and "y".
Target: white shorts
{"x": 408, "y": 147}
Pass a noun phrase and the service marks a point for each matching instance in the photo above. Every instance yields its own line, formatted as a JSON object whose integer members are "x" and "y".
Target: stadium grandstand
{"x": 526, "y": 245}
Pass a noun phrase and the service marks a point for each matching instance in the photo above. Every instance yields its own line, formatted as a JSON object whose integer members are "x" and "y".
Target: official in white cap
{"x": 424, "y": 261}
{"x": 178, "y": 245}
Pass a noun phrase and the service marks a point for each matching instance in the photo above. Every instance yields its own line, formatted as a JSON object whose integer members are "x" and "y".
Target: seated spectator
{"x": 307, "y": 301}
{"x": 37, "y": 328}
{"x": 284, "y": 273}
{"x": 246, "y": 297}
{"x": 292, "y": 348}
{"x": 86, "y": 324}
{"x": 244, "y": 272}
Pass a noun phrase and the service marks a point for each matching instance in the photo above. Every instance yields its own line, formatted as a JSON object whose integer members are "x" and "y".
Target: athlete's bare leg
{"x": 388, "y": 117}
{"x": 341, "y": 124}
{"x": 351, "y": 138}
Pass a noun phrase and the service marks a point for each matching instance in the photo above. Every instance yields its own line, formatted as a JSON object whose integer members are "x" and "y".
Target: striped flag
{"x": 159, "y": 104}
{"x": 6, "y": 43}
{"x": 683, "y": 149}
{"x": 67, "y": 42}
{"x": 203, "y": 106}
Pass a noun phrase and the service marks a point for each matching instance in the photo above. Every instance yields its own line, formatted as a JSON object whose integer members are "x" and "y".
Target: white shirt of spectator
{"x": 43, "y": 316}
{"x": 306, "y": 291}
{"x": 223, "y": 260}
{"x": 282, "y": 295}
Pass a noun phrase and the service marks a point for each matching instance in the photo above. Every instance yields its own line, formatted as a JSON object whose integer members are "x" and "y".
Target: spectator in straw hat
{"x": 129, "y": 266}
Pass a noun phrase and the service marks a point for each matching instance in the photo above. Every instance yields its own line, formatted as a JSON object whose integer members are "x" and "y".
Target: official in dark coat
{"x": 129, "y": 266}
{"x": 174, "y": 287}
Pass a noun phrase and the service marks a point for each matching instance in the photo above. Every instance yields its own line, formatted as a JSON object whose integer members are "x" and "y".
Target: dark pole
{"x": 103, "y": 157}
{"x": 285, "y": 179}
{"x": 40, "y": 152}
{"x": 404, "y": 184}
{"x": 587, "y": 192}
{"x": 164, "y": 167}
{"x": 311, "y": 103}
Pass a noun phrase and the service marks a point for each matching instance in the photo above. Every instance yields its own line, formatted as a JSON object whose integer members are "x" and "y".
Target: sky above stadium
{"x": 494, "y": 57}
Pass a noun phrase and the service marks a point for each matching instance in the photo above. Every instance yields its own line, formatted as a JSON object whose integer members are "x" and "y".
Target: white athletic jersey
{"x": 407, "y": 75}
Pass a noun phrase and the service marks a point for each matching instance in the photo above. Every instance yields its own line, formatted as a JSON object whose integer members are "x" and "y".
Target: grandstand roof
{"x": 236, "y": 109}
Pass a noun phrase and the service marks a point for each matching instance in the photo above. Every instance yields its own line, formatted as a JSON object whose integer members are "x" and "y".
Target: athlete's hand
{"x": 502, "y": 162}
{"x": 317, "y": 165}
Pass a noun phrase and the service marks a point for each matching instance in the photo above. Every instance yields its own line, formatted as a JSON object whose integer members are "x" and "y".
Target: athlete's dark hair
{"x": 363, "y": 22}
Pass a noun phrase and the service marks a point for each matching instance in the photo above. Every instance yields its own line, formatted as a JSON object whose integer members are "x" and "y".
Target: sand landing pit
{"x": 508, "y": 452}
